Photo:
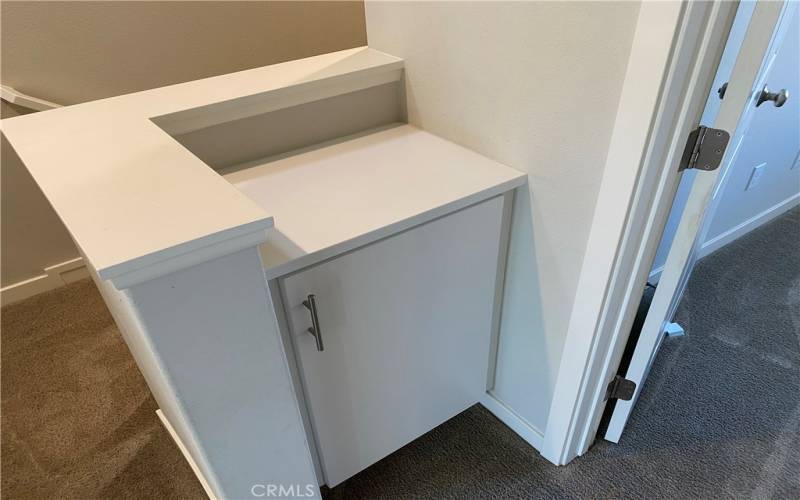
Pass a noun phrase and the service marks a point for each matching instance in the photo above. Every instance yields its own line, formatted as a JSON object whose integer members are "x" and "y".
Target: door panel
{"x": 406, "y": 326}
{"x": 764, "y": 34}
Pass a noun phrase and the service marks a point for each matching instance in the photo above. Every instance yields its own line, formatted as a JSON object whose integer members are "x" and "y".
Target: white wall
{"x": 534, "y": 85}
{"x": 773, "y": 137}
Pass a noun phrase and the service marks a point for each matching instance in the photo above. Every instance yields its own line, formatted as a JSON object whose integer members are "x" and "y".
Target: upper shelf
{"x": 336, "y": 198}
{"x": 135, "y": 201}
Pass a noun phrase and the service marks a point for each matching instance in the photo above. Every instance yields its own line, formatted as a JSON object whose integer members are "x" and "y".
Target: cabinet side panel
{"x": 133, "y": 333}
{"x": 207, "y": 341}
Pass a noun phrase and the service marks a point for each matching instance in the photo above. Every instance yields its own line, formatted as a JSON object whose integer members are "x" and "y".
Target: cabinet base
{"x": 525, "y": 430}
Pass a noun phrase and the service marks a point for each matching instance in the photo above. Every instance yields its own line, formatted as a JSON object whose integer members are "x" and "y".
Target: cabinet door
{"x": 406, "y": 326}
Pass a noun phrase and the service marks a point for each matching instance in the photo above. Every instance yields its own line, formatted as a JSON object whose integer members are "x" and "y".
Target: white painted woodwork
{"x": 675, "y": 52}
{"x": 524, "y": 428}
{"x": 110, "y": 172}
{"x": 648, "y": 64}
{"x": 406, "y": 324}
{"x": 14, "y": 96}
{"x": 735, "y": 114}
{"x": 207, "y": 342}
{"x": 773, "y": 138}
{"x": 173, "y": 247}
{"x": 54, "y": 276}
{"x": 336, "y": 198}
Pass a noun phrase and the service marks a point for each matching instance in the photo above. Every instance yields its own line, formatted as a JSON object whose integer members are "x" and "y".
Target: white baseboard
{"x": 745, "y": 227}
{"x": 54, "y": 277}
{"x": 186, "y": 454}
{"x": 738, "y": 231}
{"x": 522, "y": 427}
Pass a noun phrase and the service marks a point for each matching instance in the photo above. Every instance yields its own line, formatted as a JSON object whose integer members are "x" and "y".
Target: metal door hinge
{"x": 620, "y": 388}
{"x": 704, "y": 149}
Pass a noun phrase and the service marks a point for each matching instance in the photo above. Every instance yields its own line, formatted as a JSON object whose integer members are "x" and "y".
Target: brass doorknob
{"x": 778, "y": 98}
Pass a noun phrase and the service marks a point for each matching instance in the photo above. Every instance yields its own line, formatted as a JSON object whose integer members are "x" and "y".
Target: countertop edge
{"x": 311, "y": 259}
{"x": 187, "y": 254}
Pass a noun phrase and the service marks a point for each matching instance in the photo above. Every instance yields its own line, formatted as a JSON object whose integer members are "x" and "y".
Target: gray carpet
{"x": 718, "y": 418}
{"x": 78, "y": 421}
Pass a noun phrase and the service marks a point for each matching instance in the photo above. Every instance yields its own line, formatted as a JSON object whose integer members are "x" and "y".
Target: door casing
{"x": 632, "y": 208}
{"x": 764, "y": 34}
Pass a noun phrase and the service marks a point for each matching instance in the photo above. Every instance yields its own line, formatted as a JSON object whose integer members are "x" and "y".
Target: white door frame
{"x": 778, "y": 35}
{"x": 675, "y": 54}
{"x": 755, "y": 57}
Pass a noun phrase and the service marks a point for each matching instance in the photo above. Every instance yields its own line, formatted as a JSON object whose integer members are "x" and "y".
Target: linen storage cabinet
{"x": 401, "y": 338}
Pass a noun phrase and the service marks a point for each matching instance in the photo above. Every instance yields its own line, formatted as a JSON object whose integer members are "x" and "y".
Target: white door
{"x": 406, "y": 333}
{"x": 764, "y": 35}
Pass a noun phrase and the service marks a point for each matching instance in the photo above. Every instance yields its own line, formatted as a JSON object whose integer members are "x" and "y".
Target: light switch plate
{"x": 755, "y": 177}
{"x": 796, "y": 162}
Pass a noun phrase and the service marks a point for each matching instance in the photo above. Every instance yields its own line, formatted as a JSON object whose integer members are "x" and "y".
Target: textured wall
{"x": 71, "y": 52}
{"x": 534, "y": 85}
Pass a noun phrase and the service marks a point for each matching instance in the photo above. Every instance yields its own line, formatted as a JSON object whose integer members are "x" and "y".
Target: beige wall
{"x": 534, "y": 85}
{"x": 71, "y": 52}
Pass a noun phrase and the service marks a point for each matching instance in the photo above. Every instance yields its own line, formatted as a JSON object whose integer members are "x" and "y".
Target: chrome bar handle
{"x": 311, "y": 305}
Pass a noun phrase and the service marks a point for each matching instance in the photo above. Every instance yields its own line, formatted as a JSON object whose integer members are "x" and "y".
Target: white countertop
{"x": 336, "y": 198}
{"x": 134, "y": 200}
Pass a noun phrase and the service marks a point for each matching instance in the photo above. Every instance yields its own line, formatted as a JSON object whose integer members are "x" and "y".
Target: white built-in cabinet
{"x": 405, "y": 325}
{"x": 208, "y": 212}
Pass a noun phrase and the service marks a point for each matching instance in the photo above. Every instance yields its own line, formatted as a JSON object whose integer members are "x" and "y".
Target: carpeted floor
{"x": 78, "y": 421}
{"x": 719, "y": 416}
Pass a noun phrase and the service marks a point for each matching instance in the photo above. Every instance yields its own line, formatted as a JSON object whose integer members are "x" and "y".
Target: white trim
{"x": 291, "y": 360}
{"x": 502, "y": 263}
{"x": 648, "y": 64}
{"x": 186, "y": 454}
{"x": 53, "y": 277}
{"x": 675, "y": 51}
{"x": 738, "y": 231}
{"x": 187, "y": 254}
{"x": 750, "y": 224}
{"x": 14, "y": 96}
{"x": 522, "y": 427}
{"x": 733, "y": 115}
